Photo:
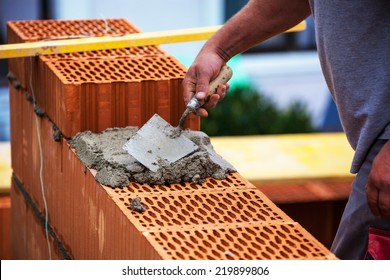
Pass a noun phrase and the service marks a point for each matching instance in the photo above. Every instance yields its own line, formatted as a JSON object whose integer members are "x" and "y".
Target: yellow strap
{"x": 106, "y": 42}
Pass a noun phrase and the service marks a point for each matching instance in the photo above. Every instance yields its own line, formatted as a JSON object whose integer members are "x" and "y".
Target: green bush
{"x": 245, "y": 111}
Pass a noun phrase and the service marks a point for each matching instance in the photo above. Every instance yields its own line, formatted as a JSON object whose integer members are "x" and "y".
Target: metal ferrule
{"x": 194, "y": 104}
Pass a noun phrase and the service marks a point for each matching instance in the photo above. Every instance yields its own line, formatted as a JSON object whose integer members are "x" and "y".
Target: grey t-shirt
{"x": 353, "y": 41}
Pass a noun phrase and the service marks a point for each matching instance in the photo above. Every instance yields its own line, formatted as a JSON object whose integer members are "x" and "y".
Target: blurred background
{"x": 282, "y": 76}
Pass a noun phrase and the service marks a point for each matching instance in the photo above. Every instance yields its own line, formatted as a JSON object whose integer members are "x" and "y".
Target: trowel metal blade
{"x": 154, "y": 142}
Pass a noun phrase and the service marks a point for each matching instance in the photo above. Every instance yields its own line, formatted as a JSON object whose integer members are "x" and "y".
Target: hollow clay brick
{"x": 95, "y": 222}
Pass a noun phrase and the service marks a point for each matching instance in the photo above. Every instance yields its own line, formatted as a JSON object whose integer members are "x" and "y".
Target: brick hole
{"x": 285, "y": 228}
{"x": 156, "y": 209}
{"x": 233, "y": 232}
{"x": 165, "y": 200}
{"x": 194, "y": 203}
{"x": 211, "y": 186}
{"x": 165, "y": 219}
{"x": 171, "y": 246}
{"x": 269, "y": 250}
{"x": 127, "y": 204}
{"x": 256, "y": 246}
{"x": 223, "y": 206}
{"x": 215, "y": 254}
{"x": 173, "y": 209}
{"x": 224, "y": 243}
{"x": 121, "y": 199}
{"x": 238, "y": 247}
{"x": 301, "y": 253}
{"x": 146, "y": 218}
{"x": 247, "y": 195}
{"x": 168, "y": 213}
{"x": 265, "y": 213}
{"x": 227, "y": 219}
{"x": 176, "y": 222}
{"x": 213, "y": 181}
{"x": 214, "y": 215}
{"x": 281, "y": 234}
{"x": 210, "y": 220}
{"x": 278, "y": 240}
{"x": 264, "y": 235}
{"x": 268, "y": 230}
{"x": 304, "y": 247}
{"x": 143, "y": 76}
{"x": 149, "y": 201}
{"x": 181, "y": 257}
{"x": 163, "y": 188}
{"x": 290, "y": 243}
{"x": 160, "y": 204}
{"x": 274, "y": 245}
{"x": 252, "y": 252}
{"x": 231, "y": 214}
{"x": 192, "y": 220}
{"x": 232, "y": 196}
{"x": 202, "y": 249}
{"x": 216, "y": 234}
{"x": 193, "y": 240}
{"x": 229, "y": 180}
{"x": 228, "y": 237}
{"x": 230, "y": 256}
{"x": 220, "y": 248}
{"x": 152, "y": 214}
{"x": 185, "y": 212}
{"x": 219, "y": 211}
{"x": 227, "y": 201}
{"x": 247, "y": 213}
{"x": 199, "y": 255}
{"x": 244, "y": 218}
{"x": 194, "y": 186}
{"x": 163, "y": 236}
{"x": 199, "y": 217}
{"x": 206, "y": 243}
{"x": 203, "y": 212}
{"x": 242, "y": 241}
{"x": 225, "y": 184}
{"x": 188, "y": 244}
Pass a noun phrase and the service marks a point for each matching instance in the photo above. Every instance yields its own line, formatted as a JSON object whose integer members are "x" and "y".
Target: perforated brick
{"x": 37, "y": 30}
{"x": 117, "y": 70}
{"x": 251, "y": 242}
{"x": 133, "y": 52}
{"x": 233, "y": 181}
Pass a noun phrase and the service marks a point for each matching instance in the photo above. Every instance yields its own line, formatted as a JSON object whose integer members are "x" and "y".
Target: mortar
{"x": 116, "y": 168}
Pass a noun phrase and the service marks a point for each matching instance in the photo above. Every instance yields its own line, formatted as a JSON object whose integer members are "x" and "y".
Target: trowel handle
{"x": 223, "y": 77}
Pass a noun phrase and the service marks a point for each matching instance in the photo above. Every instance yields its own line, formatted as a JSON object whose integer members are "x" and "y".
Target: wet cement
{"x": 117, "y": 168}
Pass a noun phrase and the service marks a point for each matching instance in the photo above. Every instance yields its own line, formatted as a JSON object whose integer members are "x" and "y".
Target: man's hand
{"x": 196, "y": 82}
{"x": 378, "y": 185}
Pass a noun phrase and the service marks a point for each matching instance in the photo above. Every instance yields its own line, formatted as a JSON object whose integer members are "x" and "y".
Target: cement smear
{"x": 115, "y": 167}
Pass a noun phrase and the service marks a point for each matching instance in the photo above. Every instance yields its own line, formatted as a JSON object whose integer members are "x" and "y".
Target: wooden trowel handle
{"x": 223, "y": 77}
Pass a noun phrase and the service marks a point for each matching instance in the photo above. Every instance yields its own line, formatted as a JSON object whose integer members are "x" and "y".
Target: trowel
{"x": 157, "y": 142}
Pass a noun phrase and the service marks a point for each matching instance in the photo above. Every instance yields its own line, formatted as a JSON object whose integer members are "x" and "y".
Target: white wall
{"x": 149, "y": 15}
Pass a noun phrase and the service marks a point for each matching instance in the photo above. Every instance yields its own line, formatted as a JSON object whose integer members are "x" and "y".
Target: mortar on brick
{"x": 115, "y": 167}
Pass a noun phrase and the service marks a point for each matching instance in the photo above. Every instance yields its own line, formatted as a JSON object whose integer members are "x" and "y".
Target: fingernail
{"x": 200, "y": 95}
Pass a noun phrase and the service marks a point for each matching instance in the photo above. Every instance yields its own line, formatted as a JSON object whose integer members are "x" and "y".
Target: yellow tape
{"x": 105, "y": 42}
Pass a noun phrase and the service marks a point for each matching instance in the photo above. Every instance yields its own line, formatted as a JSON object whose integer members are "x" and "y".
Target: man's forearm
{"x": 256, "y": 22}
